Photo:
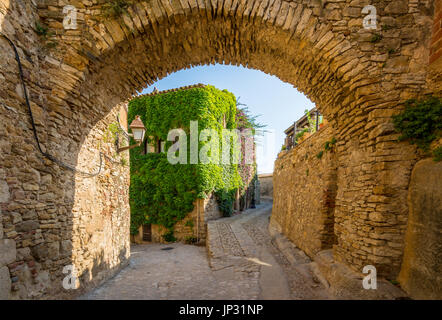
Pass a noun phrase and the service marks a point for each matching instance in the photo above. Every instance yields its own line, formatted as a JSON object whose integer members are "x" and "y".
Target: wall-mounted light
{"x": 138, "y": 131}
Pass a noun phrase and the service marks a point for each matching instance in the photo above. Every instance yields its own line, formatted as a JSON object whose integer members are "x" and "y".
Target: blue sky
{"x": 278, "y": 103}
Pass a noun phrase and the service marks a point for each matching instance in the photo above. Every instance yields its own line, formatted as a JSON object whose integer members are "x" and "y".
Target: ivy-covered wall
{"x": 163, "y": 193}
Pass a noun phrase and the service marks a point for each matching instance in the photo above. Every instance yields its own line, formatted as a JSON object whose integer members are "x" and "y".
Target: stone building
{"x": 192, "y": 229}
{"x": 184, "y": 105}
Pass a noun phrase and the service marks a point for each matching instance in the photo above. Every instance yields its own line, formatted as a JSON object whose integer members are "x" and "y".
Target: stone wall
{"x": 304, "y": 193}
{"x": 420, "y": 274}
{"x": 266, "y": 185}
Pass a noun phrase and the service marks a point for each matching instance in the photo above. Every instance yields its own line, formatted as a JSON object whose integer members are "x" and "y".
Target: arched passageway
{"x": 358, "y": 78}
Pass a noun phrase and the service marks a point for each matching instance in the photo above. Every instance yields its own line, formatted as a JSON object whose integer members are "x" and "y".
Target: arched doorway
{"x": 358, "y": 78}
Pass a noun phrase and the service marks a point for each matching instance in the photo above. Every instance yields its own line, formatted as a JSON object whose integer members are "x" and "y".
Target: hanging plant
{"x": 420, "y": 123}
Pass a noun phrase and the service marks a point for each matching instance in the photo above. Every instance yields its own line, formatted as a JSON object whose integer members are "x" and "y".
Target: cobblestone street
{"x": 243, "y": 263}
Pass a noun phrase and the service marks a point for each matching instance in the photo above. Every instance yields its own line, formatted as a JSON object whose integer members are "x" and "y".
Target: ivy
{"x": 42, "y": 30}
{"x": 244, "y": 118}
{"x": 420, "y": 122}
{"x": 328, "y": 145}
{"x": 225, "y": 200}
{"x": 163, "y": 193}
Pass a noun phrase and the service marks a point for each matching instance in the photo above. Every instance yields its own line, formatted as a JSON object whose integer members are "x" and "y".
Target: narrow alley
{"x": 241, "y": 262}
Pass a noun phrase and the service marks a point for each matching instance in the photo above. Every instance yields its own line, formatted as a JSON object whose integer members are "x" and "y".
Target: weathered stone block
{"x": 7, "y": 251}
{"x": 40, "y": 251}
{"x": 5, "y": 283}
{"x": 26, "y": 226}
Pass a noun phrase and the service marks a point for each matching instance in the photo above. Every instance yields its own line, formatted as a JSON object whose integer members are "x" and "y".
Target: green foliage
{"x": 225, "y": 200}
{"x": 421, "y": 122}
{"x": 115, "y": 8}
{"x": 284, "y": 147}
{"x": 163, "y": 193}
{"x": 45, "y": 34}
{"x": 169, "y": 237}
{"x": 320, "y": 154}
{"x": 41, "y": 29}
{"x": 300, "y": 134}
{"x": 437, "y": 154}
{"x": 190, "y": 240}
{"x": 110, "y": 136}
{"x": 386, "y": 27}
{"x": 376, "y": 38}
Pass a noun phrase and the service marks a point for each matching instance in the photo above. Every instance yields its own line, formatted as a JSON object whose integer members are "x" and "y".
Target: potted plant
{"x": 300, "y": 136}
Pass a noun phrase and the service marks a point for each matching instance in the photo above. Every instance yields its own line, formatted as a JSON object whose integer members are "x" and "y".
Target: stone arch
{"x": 357, "y": 79}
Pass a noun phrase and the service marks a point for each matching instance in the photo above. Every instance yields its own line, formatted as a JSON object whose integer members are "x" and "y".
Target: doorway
{"x": 147, "y": 232}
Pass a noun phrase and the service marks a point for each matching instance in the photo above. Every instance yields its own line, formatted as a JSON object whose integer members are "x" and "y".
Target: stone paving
{"x": 273, "y": 273}
{"x": 243, "y": 263}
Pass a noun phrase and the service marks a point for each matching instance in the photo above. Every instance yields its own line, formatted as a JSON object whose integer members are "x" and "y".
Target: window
{"x": 160, "y": 146}
{"x": 149, "y": 147}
